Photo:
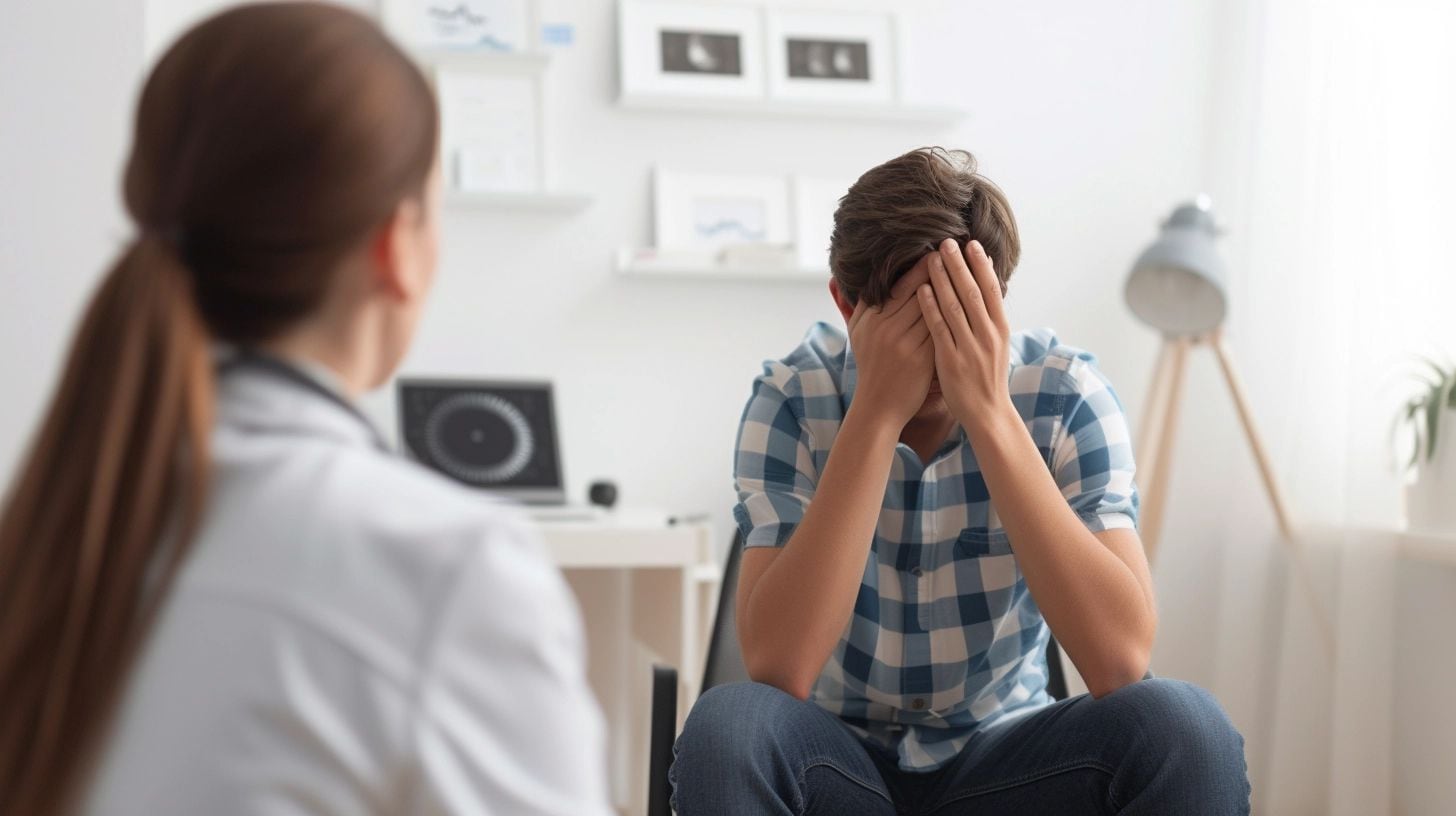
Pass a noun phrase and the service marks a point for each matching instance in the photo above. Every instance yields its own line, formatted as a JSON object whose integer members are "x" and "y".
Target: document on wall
{"x": 490, "y": 131}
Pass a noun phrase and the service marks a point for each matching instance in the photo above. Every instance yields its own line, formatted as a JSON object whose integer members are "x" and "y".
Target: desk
{"x": 1423, "y": 724}
{"x": 648, "y": 593}
{"x": 1381, "y": 720}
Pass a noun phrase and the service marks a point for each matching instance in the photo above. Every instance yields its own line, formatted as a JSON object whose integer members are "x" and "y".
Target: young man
{"x": 922, "y": 503}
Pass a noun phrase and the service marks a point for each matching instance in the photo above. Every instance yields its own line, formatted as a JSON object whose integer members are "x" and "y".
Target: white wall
{"x": 67, "y": 79}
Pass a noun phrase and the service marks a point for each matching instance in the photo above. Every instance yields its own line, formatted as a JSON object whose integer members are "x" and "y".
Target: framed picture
{"x": 679, "y": 49}
{"x": 496, "y": 26}
{"x": 490, "y": 131}
{"x": 831, "y": 56}
{"x": 815, "y": 200}
{"x": 711, "y": 212}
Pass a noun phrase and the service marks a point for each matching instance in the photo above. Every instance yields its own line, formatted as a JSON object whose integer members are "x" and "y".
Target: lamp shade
{"x": 1177, "y": 283}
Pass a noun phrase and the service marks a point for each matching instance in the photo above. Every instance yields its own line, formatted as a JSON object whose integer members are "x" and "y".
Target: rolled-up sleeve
{"x": 774, "y": 471}
{"x": 1092, "y": 456}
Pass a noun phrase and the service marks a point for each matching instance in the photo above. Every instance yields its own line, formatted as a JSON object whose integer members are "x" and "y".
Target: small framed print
{"x": 493, "y": 26}
{"x": 710, "y": 212}
{"x": 490, "y": 131}
{"x": 831, "y": 57}
{"x": 678, "y": 49}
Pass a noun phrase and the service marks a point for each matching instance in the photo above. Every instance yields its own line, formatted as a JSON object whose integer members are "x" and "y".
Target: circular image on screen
{"x": 479, "y": 438}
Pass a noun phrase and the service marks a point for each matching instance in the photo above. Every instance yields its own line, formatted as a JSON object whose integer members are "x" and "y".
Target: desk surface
{"x": 627, "y": 540}
{"x": 1411, "y": 545}
{"x": 1427, "y": 547}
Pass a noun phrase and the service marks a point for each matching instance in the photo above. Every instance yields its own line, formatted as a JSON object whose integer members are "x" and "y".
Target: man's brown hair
{"x": 906, "y": 207}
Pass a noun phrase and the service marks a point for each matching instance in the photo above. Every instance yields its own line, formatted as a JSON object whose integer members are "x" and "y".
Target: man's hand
{"x": 1094, "y": 589}
{"x": 962, "y": 308}
{"x": 891, "y": 345}
{"x": 814, "y": 579}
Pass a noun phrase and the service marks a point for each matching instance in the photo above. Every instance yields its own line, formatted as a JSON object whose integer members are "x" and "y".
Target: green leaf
{"x": 1397, "y": 423}
{"x": 1405, "y": 420}
{"x": 1433, "y": 422}
{"x": 1441, "y": 373}
{"x": 1422, "y": 414}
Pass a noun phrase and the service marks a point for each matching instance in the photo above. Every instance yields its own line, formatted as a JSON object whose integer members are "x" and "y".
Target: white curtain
{"x": 1334, "y": 169}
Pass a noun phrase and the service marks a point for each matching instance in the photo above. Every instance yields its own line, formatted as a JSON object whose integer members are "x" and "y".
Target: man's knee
{"x": 751, "y": 748}
{"x": 1180, "y": 722}
{"x": 1178, "y": 744}
{"x": 741, "y": 720}
{"x": 737, "y": 745}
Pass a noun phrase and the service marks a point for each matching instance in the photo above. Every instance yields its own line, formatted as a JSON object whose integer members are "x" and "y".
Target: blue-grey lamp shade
{"x": 1177, "y": 283}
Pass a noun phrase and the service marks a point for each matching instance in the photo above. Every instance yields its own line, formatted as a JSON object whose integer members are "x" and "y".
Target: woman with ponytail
{"x": 218, "y": 593}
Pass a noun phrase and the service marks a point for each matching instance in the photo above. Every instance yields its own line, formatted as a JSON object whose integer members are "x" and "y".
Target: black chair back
{"x": 725, "y": 654}
{"x": 662, "y": 734}
{"x": 1056, "y": 678}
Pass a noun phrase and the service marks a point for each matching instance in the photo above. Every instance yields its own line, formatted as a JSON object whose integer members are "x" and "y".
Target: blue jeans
{"x": 1157, "y": 746}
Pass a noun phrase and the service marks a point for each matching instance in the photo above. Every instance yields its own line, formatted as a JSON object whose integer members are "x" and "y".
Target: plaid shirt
{"x": 945, "y": 637}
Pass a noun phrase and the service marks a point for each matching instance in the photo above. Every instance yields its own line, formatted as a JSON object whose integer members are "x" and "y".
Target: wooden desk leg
{"x": 664, "y": 624}
{"x": 690, "y": 676}
{"x": 1155, "y": 490}
{"x": 601, "y": 595}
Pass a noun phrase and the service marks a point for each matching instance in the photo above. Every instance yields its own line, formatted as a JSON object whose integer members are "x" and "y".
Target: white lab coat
{"x": 352, "y": 634}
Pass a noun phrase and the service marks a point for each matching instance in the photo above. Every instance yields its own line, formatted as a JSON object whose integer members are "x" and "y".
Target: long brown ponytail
{"x": 270, "y": 140}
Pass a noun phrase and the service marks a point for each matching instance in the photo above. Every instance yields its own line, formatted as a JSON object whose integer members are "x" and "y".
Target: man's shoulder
{"x": 814, "y": 368}
{"x": 1041, "y": 363}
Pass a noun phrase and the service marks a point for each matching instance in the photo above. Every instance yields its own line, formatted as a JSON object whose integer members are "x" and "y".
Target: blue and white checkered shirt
{"x": 945, "y": 637}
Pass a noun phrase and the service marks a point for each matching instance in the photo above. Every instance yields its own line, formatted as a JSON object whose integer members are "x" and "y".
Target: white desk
{"x": 1381, "y": 715}
{"x": 1422, "y": 723}
{"x": 648, "y": 593}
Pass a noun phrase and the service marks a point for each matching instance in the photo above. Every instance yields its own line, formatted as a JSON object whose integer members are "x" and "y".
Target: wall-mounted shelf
{"x": 639, "y": 265}
{"x": 781, "y": 108}
{"x": 505, "y": 62}
{"x": 557, "y": 202}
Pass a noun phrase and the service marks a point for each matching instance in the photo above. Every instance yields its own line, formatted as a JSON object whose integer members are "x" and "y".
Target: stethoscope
{"x": 284, "y": 371}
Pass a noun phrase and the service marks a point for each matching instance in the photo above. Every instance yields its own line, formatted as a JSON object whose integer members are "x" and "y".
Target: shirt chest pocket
{"x": 975, "y": 542}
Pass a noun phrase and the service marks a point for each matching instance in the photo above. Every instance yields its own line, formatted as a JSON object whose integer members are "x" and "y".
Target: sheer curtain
{"x": 1332, "y": 167}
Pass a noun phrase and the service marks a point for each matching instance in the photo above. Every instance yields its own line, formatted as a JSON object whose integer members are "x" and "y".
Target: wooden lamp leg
{"x": 1276, "y": 498}
{"x": 1156, "y": 491}
{"x": 1153, "y": 408}
{"x": 1246, "y": 419}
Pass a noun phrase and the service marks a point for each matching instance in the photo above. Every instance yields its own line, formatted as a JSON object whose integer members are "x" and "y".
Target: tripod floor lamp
{"x": 1177, "y": 287}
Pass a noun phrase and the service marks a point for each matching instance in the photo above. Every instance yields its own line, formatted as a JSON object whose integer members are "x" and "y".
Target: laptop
{"x": 497, "y": 435}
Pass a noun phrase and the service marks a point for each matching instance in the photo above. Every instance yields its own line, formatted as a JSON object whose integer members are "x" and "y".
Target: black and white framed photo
{"x": 690, "y": 50}
{"x": 711, "y": 212}
{"x": 490, "y": 131}
{"x": 490, "y": 26}
{"x": 831, "y": 57}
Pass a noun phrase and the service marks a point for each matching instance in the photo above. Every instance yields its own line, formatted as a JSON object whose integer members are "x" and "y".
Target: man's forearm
{"x": 1100, "y": 609}
{"x": 799, "y": 607}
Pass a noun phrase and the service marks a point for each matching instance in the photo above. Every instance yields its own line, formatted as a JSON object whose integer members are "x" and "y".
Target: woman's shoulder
{"x": 331, "y": 533}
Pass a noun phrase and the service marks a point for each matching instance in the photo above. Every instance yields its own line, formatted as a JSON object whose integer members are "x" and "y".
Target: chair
{"x": 725, "y": 665}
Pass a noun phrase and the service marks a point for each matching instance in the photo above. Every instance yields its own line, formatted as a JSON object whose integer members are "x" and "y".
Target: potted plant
{"x": 1430, "y": 494}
